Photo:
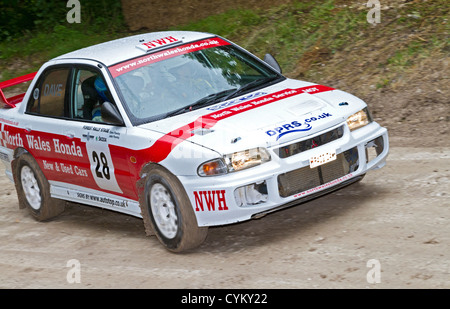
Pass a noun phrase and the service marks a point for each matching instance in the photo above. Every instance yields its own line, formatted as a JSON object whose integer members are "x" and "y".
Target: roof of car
{"x": 119, "y": 50}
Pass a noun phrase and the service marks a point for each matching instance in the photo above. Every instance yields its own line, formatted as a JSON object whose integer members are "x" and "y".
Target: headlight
{"x": 234, "y": 162}
{"x": 360, "y": 119}
{"x": 246, "y": 159}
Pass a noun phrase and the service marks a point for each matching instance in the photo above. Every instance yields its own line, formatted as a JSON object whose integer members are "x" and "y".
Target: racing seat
{"x": 90, "y": 96}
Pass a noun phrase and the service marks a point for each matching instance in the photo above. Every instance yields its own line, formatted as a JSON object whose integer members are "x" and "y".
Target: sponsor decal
{"x": 262, "y": 101}
{"x": 133, "y": 64}
{"x": 158, "y": 43}
{"x": 210, "y": 200}
{"x": 96, "y": 129}
{"x": 292, "y": 127}
{"x": 236, "y": 101}
{"x": 295, "y": 126}
{"x": 114, "y": 134}
{"x": 67, "y": 149}
{"x": 59, "y": 147}
{"x": 324, "y": 186}
{"x": 88, "y": 136}
{"x": 37, "y": 143}
{"x": 83, "y": 196}
{"x": 65, "y": 168}
{"x": 9, "y": 139}
{"x": 106, "y": 131}
{"x": 89, "y": 158}
{"x": 14, "y": 140}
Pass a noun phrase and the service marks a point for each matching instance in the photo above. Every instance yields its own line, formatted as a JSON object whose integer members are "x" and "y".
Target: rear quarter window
{"x": 49, "y": 95}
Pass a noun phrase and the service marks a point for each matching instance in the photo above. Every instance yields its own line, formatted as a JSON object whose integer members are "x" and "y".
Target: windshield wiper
{"x": 209, "y": 99}
{"x": 252, "y": 84}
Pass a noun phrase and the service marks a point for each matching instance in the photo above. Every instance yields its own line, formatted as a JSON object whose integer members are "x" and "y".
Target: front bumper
{"x": 284, "y": 182}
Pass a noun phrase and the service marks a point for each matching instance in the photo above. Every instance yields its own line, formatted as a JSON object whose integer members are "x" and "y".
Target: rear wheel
{"x": 33, "y": 189}
{"x": 167, "y": 211}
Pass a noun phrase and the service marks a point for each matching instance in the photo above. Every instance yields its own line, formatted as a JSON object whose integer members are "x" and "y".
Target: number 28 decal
{"x": 102, "y": 167}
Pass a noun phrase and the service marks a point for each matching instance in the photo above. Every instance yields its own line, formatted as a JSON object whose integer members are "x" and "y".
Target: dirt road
{"x": 398, "y": 216}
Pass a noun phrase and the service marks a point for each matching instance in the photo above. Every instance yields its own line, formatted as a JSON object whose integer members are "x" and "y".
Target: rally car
{"x": 185, "y": 130}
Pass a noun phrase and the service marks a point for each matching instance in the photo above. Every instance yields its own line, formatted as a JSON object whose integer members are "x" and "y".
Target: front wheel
{"x": 168, "y": 212}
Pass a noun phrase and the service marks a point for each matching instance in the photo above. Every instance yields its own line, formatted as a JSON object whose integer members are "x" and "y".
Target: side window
{"x": 49, "y": 96}
{"x": 88, "y": 95}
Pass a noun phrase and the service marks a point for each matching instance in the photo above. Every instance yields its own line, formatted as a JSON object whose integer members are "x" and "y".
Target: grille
{"x": 293, "y": 149}
{"x": 306, "y": 178}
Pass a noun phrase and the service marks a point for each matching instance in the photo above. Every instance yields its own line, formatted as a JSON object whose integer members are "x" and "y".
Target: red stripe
{"x": 163, "y": 146}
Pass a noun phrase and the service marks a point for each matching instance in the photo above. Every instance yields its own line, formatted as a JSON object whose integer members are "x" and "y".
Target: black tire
{"x": 181, "y": 232}
{"x": 28, "y": 176}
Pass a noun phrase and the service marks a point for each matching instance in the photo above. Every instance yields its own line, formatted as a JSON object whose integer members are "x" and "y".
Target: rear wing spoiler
{"x": 12, "y": 101}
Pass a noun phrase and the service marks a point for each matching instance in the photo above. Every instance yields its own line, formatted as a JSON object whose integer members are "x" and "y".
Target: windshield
{"x": 192, "y": 80}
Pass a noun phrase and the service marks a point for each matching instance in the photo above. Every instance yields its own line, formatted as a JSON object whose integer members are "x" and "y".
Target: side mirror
{"x": 270, "y": 60}
{"x": 111, "y": 115}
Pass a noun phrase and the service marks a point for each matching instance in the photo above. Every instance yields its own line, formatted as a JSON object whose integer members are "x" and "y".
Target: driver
{"x": 102, "y": 92}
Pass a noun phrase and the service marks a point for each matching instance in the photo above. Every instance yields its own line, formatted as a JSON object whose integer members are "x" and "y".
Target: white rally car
{"x": 183, "y": 129}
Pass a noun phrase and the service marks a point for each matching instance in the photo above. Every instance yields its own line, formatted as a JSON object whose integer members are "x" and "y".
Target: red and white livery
{"x": 183, "y": 129}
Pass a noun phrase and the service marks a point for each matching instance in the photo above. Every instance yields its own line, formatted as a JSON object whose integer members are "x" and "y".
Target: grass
{"x": 287, "y": 31}
{"x": 308, "y": 34}
{"x": 310, "y": 39}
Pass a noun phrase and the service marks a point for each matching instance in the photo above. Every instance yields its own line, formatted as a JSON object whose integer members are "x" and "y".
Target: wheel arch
{"x": 19, "y": 151}
{"x": 140, "y": 187}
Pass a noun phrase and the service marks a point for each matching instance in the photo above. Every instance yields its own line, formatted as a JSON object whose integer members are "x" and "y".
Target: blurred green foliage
{"x": 18, "y": 17}
{"x": 303, "y": 35}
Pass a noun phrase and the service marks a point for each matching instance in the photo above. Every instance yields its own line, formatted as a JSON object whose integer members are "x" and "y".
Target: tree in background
{"x": 21, "y": 16}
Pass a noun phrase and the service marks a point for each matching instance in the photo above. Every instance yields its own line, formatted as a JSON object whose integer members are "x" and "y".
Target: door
{"x": 67, "y": 135}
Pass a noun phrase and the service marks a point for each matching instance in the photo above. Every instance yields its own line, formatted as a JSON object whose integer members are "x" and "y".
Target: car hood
{"x": 287, "y": 111}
